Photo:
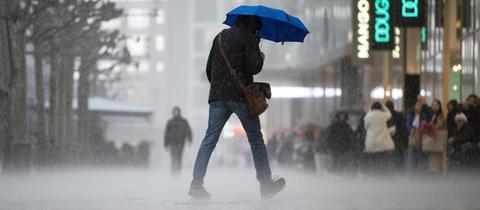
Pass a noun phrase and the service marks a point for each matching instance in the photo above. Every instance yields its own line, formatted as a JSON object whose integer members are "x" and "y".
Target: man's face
{"x": 472, "y": 101}
{"x": 176, "y": 113}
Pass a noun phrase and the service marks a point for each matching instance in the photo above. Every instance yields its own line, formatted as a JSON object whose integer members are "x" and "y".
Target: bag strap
{"x": 232, "y": 71}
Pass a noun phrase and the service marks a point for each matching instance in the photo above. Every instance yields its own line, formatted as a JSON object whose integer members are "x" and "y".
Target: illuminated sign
{"x": 410, "y": 13}
{"x": 424, "y": 37}
{"x": 381, "y": 24}
{"x": 363, "y": 18}
{"x": 396, "y": 50}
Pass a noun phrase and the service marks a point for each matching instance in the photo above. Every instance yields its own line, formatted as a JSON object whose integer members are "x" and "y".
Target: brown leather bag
{"x": 256, "y": 94}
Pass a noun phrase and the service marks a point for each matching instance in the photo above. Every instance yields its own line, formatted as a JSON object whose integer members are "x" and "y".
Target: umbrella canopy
{"x": 278, "y": 26}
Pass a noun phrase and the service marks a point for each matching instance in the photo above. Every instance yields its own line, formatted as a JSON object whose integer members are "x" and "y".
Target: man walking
{"x": 177, "y": 132}
{"x": 241, "y": 47}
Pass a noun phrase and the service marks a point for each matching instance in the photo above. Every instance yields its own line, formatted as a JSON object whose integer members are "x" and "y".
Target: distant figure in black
{"x": 176, "y": 134}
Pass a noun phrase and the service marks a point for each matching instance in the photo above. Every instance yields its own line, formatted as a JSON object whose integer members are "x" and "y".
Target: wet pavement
{"x": 231, "y": 188}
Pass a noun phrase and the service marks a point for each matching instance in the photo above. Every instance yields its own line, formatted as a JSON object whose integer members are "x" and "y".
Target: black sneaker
{"x": 198, "y": 192}
{"x": 270, "y": 189}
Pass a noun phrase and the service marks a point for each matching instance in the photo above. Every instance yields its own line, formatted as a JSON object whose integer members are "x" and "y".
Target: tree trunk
{"x": 21, "y": 144}
{"x": 53, "y": 99}
{"x": 82, "y": 111}
{"x": 6, "y": 72}
{"x": 40, "y": 108}
{"x": 65, "y": 111}
{"x": 60, "y": 111}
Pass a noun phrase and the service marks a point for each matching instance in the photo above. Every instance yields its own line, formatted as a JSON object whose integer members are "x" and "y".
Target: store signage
{"x": 424, "y": 38}
{"x": 363, "y": 18}
{"x": 410, "y": 13}
{"x": 396, "y": 50}
{"x": 381, "y": 24}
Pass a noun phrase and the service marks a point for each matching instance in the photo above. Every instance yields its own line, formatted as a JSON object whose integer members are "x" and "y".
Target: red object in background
{"x": 427, "y": 128}
{"x": 238, "y": 130}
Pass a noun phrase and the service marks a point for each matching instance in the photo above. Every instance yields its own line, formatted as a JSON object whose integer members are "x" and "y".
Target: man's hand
{"x": 262, "y": 55}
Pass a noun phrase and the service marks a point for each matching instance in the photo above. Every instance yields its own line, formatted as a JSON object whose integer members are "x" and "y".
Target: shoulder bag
{"x": 256, "y": 94}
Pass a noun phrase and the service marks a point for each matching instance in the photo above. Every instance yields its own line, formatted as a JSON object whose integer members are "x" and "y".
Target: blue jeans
{"x": 219, "y": 113}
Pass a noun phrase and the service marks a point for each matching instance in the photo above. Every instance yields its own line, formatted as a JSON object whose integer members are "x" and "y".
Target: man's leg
{"x": 218, "y": 116}
{"x": 251, "y": 124}
{"x": 179, "y": 158}
{"x": 173, "y": 159}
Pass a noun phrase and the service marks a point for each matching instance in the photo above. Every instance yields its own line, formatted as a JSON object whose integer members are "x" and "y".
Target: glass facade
{"x": 470, "y": 38}
{"x": 431, "y": 77}
{"x": 467, "y": 64}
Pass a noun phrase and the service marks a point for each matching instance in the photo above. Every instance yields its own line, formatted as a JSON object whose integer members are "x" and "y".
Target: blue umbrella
{"x": 278, "y": 26}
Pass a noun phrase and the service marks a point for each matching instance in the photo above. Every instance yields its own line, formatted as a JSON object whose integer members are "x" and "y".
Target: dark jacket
{"x": 340, "y": 136}
{"x": 177, "y": 132}
{"x": 473, "y": 117}
{"x": 400, "y": 138}
{"x": 451, "y": 126}
{"x": 461, "y": 136}
{"x": 243, "y": 52}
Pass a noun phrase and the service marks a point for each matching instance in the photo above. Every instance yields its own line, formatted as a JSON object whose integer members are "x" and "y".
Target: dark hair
{"x": 250, "y": 23}
{"x": 376, "y": 106}
{"x": 390, "y": 106}
{"x": 472, "y": 96}
{"x": 337, "y": 116}
{"x": 454, "y": 103}
{"x": 440, "y": 110}
{"x": 176, "y": 108}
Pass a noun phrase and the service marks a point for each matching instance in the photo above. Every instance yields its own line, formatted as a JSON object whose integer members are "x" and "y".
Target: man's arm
{"x": 188, "y": 131}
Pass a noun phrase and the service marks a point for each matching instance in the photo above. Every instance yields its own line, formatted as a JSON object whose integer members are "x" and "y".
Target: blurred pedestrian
{"x": 398, "y": 131}
{"x": 241, "y": 46}
{"x": 453, "y": 109}
{"x": 309, "y": 142}
{"x": 321, "y": 149}
{"x": 426, "y": 110}
{"x": 472, "y": 111}
{"x": 462, "y": 145}
{"x": 339, "y": 142}
{"x": 285, "y": 156}
{"x": 415, "y": 156}
{"x": 177, "y": 133}
{"x": 435, "y": 145}
{"x": 379, "y": 145}
{"x": 358, "y": 146}
{"x": 273, "y": 148}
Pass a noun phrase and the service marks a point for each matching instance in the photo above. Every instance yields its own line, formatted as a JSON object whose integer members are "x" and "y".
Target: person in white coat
{"x": 379, "y": 144}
